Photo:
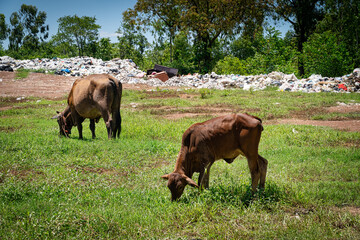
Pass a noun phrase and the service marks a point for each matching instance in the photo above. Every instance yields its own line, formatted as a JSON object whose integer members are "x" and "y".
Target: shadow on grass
{"x": 239, "y": 195}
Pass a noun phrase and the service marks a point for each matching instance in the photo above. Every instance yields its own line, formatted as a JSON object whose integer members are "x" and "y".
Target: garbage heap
{"x": 128, "y": 72}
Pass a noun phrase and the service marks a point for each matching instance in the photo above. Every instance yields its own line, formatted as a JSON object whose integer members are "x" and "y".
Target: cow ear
{"x": 166, "y": 176}
{"x": 191, "y": 182}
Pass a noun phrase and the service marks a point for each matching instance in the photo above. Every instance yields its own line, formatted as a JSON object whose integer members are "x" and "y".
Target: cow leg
{"x": 79, "y": 126}
{"x": 92, "y": 127}
{"x": 204, "y": 177}
{"x": 254, "y": 171}
{"x": 116, "y": 126}
{"x": 263, "y": 168}
{"x": 201, "y": 176}
{"x": 108, "y": 122}
{"x": 77, "y": 119}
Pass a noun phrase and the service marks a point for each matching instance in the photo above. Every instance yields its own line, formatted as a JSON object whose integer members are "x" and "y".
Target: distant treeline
{"x": 225, "y": 36}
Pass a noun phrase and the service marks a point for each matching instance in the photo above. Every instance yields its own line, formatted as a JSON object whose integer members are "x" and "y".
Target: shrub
{"x": 229, "y": 65}
{"x": 326, "y": 54}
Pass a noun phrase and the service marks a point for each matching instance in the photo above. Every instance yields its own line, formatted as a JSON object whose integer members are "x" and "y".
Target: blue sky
{"x": 108, "y": 13}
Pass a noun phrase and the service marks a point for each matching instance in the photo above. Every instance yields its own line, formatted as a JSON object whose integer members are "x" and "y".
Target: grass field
{"x": 65, "y": 188}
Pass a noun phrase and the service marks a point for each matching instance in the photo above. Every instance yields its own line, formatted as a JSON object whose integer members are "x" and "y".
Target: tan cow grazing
{"x": 219, "y": 138}
{"x": 93, "y": 97}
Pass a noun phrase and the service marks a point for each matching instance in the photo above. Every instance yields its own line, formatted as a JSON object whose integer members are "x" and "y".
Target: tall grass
{"x": 65, "y": 188}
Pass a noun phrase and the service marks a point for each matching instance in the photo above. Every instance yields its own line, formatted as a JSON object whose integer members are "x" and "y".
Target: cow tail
{"x": 117, "y": 90}
{"x": 260, "y": 124}
{"x": 119, "y": 94}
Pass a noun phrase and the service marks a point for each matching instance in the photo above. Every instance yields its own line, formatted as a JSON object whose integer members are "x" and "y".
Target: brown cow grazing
{"x": 93, "y": 97}
{"x": 219, "y": 138}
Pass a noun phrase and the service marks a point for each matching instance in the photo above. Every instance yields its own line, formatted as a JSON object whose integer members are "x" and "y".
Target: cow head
{"x": 65, "y": 122}
{"x": 176, "y": 184}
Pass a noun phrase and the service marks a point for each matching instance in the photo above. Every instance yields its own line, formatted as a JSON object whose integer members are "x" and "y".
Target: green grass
{"x": 24, "y": 73}
{"x": 52, "y": 187}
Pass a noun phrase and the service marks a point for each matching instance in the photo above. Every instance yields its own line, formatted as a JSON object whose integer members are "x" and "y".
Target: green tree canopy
{"x": 132, "y": 43}
{"x": 81, "y": 31}
{"x": 165, "y": 13}
{"x": 28, "y": 28}
{"x": 342, "y": 18}
{"x": 3, "y": 28}
{"x": 207, "y": 20}
{"x": 303, "y": 16}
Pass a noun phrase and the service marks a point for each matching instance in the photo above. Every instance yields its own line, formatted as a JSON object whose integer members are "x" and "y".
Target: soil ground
{"x": 57, "y": 87}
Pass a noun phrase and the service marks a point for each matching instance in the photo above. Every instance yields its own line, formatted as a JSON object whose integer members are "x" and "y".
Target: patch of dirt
{"x": 86, "y": 169}
{"x": 353, "y": 210}
{"x": 9, "y": 129}
{"x": 25, "y": 173}
{"x": 57, "y": 87}
{"x": 176, "y": 113}
{"x": 350, "y": 209}
{"x": 344, "y": 108}
{"x": 48, "y": 86}
{"x": 308, "y": 113}
{"x": 177, "y": 116}
{"x": 346, "y": 125}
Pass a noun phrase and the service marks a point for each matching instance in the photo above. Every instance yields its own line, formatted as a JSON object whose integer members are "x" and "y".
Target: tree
{"x": 154, "y": 13}
{"x": 16, "y": 32}
{"x": 211, "y": 19}
{"x": 207, "y": 20}
{"x": 342, "y": 18}
{"x": 63, "y": 47}
{"x": 28, "y": 28}
{"x": 326, "y": 54}
{"x": 132, "y": 43}
{"x": 183, "y": 54}
{"x": 4, "y": 31}
{"x": 303, "y": 16}
{"x": 81, "y": 31}
{"x": 105, "y": 49}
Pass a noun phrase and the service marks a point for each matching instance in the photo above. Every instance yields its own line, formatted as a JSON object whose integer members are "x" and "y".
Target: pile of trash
{"x": 76, "y": 66}
{"x": 128, "y": 72}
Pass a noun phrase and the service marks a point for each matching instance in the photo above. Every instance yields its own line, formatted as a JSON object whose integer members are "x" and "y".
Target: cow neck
{"x": 183, "y": 163}
{"x": 67, "y": 111}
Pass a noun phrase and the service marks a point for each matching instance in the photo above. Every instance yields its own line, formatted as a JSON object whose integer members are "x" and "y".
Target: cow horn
{"x": 56, "y": 116}
{"x": 166, "y": 176}
{"x": 191, "y": 182}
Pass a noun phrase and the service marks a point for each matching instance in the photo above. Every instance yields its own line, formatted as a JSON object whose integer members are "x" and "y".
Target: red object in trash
{"x": 162, "y": 76}
{"x": 342, "y": 86}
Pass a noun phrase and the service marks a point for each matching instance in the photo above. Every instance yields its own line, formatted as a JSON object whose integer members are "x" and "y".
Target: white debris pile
{"x": 77, "y": 66}
{"x": 128, "y": 72}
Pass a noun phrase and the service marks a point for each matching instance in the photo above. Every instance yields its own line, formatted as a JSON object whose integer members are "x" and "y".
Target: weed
{"x": 22, "y": 73}
{"x": 205, "y": 93}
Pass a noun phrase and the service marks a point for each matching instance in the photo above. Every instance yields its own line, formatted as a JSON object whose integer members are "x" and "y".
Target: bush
{"x": 229, "y": 65}
{"x": 326, "y": 54}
